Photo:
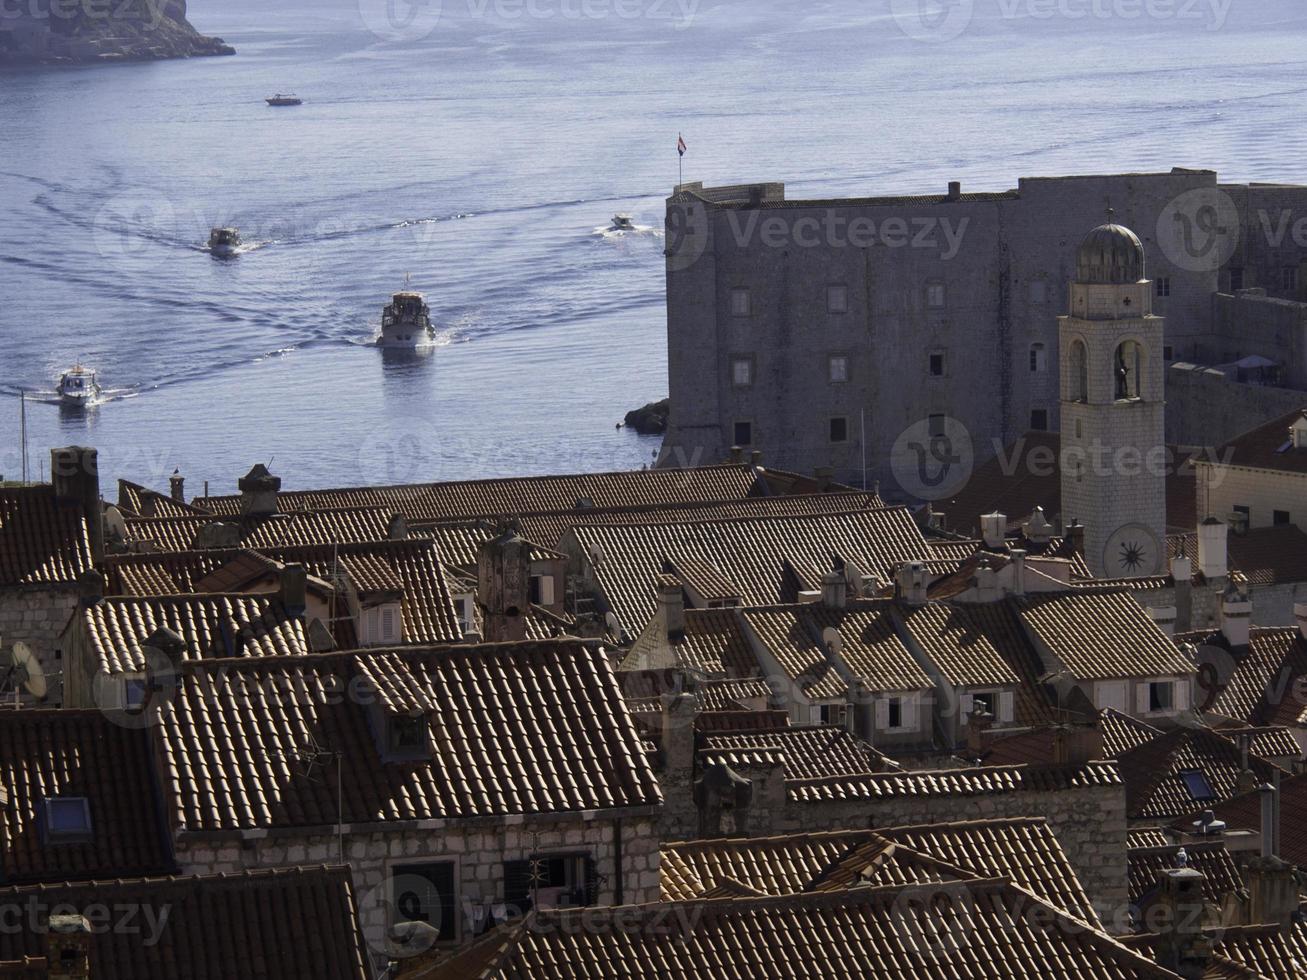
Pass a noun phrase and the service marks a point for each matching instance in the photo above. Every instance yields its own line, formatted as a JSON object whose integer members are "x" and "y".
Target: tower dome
{"x": 1111, "y": 253}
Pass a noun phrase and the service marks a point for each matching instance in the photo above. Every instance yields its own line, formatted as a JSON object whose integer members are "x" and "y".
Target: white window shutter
{"x": 546, "y": 590}
{"x": 1141, "y": 698}
{"x": 967, "y": 703}
{"x": 388, "y": 625}
{"x": 882, "y": 714}
{"x": 909, "y": 713}
{"x": 1181, "y": 688}
{"x": 1005, "y": 707}
{"x": 370, "y": 627}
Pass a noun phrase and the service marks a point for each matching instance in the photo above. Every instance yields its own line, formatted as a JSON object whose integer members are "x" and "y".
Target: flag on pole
{"x": 680, "y": 145}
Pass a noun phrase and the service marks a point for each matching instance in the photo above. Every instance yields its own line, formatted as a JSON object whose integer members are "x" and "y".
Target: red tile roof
{"x": 1146, "y": 865}
{"x": 514, "y": 729}
{"x": 46, "y": 753}
{"x": 320, "y": 527}
{"x": 1267, "y": 447}
{"x": 934, "y": 931}
{"x": 808, "y": 751}
{"x": 1259, "y": 683}
{"x": 1245, "y": 812}
{"x": 1154, "y": 773}
{"x": 137, "y": 501}
{"x": 967, "y": 643}
{"x": 951, "y": 782}
{"x": 42, "y": 541}
{"x": 291, "y": 923}
{"x": 518, "y": 496}
{"x": 1265, "y": 555}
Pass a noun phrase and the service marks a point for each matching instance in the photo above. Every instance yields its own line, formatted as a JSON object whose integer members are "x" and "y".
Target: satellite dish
{"x": 830, "y": 636}
{"x": 25, "y": 672}
{"x": 115, "y": 526}
{"x": 596, "y": 555}
{"x": 614, "y": 626}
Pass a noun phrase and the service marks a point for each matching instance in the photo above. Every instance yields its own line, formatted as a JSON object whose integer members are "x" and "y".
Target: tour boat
{"x": 281, "y": 100}
{"x": 224, "y": 242}
{"x": 78, "y": 387}
{"x": 406, "y": 322}
{"x": 623, "y": 222}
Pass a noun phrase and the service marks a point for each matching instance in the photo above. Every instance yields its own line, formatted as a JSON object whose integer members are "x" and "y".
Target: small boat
{"x": 224, "y": 242}
{"x": 406, "y": 322}
{"x": 623, "y": 222}
{"x": 281, "y": 100}
{"x": 78, "y": 387}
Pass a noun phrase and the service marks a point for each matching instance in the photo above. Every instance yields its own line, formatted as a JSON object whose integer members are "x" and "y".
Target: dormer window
{"x": 542, "y": 590}
{"x": 67, "y": 820}
{"x": 135, "y": 693}
{"x": 406, "y": 737}
{"x": 382, "y": 625}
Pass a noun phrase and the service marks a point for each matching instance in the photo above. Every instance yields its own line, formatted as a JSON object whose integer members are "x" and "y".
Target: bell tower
{"x": 1113, "y": 456}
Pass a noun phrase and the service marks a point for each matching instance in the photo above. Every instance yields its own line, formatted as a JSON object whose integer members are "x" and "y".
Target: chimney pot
{"x": 954, "y": 190}
{"x": 1018, "y": 571}
{"x": 834, "y": 590}
{"x": 755, "y": 457}
{"x": 912, "y": 585}
{"x": 671, "y": 606}
{"x": 994, "y": 529}
{"x": 259, "y": 490}
{"x": 177, "y": 486}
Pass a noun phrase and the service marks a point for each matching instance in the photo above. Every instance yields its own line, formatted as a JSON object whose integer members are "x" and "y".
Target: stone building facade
{"x": 794, "y": 327}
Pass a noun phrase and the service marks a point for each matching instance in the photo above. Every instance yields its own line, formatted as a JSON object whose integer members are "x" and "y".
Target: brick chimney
{"x": 259, "y": 490}
{"x": 68, "y": 947}
{"x": 502, "y": 586}
{"x": 177, "y": 486}
{"x": 75, "y": 474}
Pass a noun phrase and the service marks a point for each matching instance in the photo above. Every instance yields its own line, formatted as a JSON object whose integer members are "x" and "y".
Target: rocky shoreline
{"x": 648, "y": 420}
{"x": 76, "y": 32}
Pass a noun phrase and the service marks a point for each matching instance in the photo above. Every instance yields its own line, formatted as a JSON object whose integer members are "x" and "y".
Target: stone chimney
{"x": 259, "y": 490}
{"x": 502, "y": 586}
{"x": 955, "y": 190}
{"x": 68, "y": 947}
{"x": 979, "y": 722}
{"x": 671, "y": 608}
{"x": 1076, "y": 745}
{"x": 293, "y": 591}
{"x": 1182, "y": 945}
{"x": 993, "y": 528}
{"x": 834, "y": 590}
{"x": 911, "y": 582}
{"x": 1018, "y": 571}
{"x": 1037, "y": 528}
{"x": 755, "y": 457}
{"x": 177, "y": 486}
{"x": 1182, "y": 571}
{"x": 90, "y": 588}
{"x": 1272, "y": 884}
{"x": 1236, "y": 613}
{"x": 397, "y": 529}
{"x": 1075, "y": 536}
{"x": 75, "y": 473}
{"x": 737, "y": 454}
{"x": 1212, "y": 548}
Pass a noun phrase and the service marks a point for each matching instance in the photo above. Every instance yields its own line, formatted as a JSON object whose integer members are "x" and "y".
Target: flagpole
{"x": 22, "y": 425}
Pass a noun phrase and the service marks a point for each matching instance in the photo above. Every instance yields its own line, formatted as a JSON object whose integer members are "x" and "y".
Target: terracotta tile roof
{"x": 1148, "y": 837}
{"x": 714, "y": 645}
{"x": 911, "y": 932}
{"x": 870, "y": 649}
{"x": 741, "y": 721}
{"x": 1272, "y": 951}
{"x": 1245, "y": 812}
{"x": 514, "y": 728}
{"x": 517, "y": 496}
{"x": 320, "y": 527}
{"x": 1155, "y": 780}
{"x": 1122, "y": 733}
{"x": 550, "y": 528}
{"x": 808, "y": 751}
{"x": 42, "y": 541}
{"x": 952, "y": 782}
{"x": 750, "y": 553}
{"x": 793, "y": 864}
{"x": 1023, "y": 849}
{"x": 1146, "y": 865}
{"x": 1267, "y": 447}
{"x": 459, "y": 543}
{"x": 213, "y": 626}
{"x": 289, "y": 923}
{"x": 137, "y": 501}
{"x": 1269, "y": 742}
{"x": 1102, "y": 634}
{"x": 1260, "y": 687}
{"x": 47, "y": 753}
{"x": 966, "y": 642}
{"x": 1265, "y": 555}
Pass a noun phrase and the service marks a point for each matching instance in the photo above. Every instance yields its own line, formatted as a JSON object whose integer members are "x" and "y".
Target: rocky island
{"x": 90, "y": 31}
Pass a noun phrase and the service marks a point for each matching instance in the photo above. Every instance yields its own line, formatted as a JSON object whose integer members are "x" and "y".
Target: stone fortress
{"x": 844, "y": 335}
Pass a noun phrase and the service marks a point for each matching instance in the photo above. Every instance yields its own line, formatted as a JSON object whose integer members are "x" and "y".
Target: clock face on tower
{"x": 1132, "y": 551}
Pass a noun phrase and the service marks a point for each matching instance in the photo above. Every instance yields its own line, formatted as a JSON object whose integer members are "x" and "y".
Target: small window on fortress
{"x": 937, "y": 365}
{"x": 1163, "y": 285}
{"x": 837, "y": 299}
{"x": 743, "y": 434}
{"x": 839, "y": 429}
{"x": 1280, "y": 517}
{"x": 935, "y": 295}
{"x": 1039, "y": 420}
{"x": 742, "y": 372}
{"x": 1038, "y": 359}
{"x": 740, "y": 302}
{"x": 839, "y": 368}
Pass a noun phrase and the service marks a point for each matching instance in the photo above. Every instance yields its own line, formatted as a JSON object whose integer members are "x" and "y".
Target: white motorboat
{"x": 78, "y": 387}
{"x": 224, "y": 242}
{"x": 623, "y": 222}
{"x": 406, "y": 322}
{"x": 284, "y": 100}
